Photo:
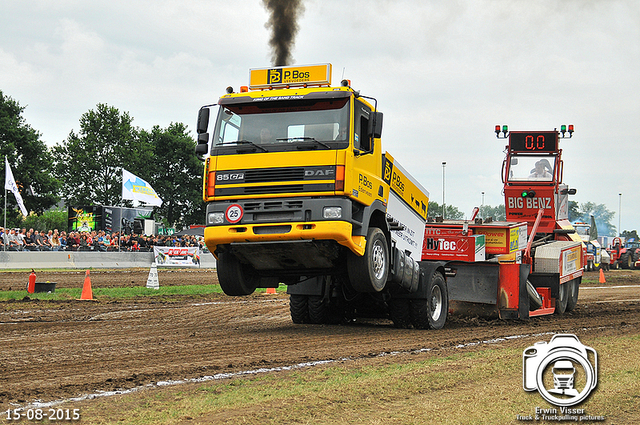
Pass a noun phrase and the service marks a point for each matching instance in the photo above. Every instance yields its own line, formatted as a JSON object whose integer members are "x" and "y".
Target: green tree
{"x": 48, "y": 220}
{"x": 574, "y": 211}
{"x": 90, "y": 163}
{"x": 177, "y": 174}
{"x": 497, "y": 213}
{"x": 630, "y": 234}
{"x": 452, "y": 213}
{"x": 30, "y": 162}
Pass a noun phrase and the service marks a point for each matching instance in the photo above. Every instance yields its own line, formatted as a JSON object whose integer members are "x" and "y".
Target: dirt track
{"x": 55, "y": 350}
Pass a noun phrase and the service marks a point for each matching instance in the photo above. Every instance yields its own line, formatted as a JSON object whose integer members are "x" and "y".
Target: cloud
{"x": 444, "y": 74}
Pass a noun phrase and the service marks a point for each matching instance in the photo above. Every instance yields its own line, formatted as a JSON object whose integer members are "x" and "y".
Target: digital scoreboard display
{"x": 530, "y": 141}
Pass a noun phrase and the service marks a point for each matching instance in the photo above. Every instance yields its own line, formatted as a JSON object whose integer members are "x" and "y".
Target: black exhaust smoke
{"x": 284, "y": 27}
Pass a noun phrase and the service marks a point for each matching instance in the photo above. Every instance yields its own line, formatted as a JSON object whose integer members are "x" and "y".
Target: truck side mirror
{"x": 201, "y": 150}
{"x": 203, "y": 121}
{"x": 375, "y": 125}
{"x": 203, "y": 144}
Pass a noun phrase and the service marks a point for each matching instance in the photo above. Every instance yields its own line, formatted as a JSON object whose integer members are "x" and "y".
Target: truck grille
{"x": 272, "y": 205}
{"x": 274, "y": 175}
{"x": 306, "y": 180}
{"x": 259, "y": 190}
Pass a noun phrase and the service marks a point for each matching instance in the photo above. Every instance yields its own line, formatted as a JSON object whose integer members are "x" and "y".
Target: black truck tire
{"x": 236, "y": 279}
{"x": 369, "y": 273}
{"x": 432, "y": 312}
{"x": 563, "y": 298}
{"x": 574, "y": 289}
{"x": 299, "y": 308}
{"x": 318, "y": 310}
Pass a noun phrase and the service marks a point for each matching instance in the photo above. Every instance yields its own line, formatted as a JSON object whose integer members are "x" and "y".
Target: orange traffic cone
{"x": 87, "y": 293}
{"x": 602, "y": 279}
{"x": 271, "y": 290}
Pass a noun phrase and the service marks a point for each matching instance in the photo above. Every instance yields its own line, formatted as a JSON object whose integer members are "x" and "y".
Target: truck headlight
{"x": 332, "y": 212}
{"x": 216, "y": 218}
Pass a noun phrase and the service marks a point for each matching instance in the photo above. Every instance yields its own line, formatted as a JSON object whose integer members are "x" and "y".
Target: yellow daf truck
{"x": 299, "y": 191}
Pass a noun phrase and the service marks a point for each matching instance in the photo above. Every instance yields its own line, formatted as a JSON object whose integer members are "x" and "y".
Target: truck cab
{"x": 532, "y": 177}
{"x": 299, "y": 191}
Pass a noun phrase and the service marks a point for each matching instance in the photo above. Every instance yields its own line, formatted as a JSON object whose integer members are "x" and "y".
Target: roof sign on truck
{"x": 283, "y": 76}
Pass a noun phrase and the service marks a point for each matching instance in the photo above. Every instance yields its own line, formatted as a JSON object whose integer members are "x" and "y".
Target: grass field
{"x": 123, "y": 293}
{"x": 476, "y": 387}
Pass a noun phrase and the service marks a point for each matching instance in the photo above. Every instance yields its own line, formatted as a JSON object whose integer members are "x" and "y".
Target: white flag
{"x": 133, "y": 187}
{"x": 10, "y": 184}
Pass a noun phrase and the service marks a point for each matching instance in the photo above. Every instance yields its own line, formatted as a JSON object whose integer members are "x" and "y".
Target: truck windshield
{"x": 581, "y": 229}
{"x": 524, "y": 168}
{"x": 275, "y": 126}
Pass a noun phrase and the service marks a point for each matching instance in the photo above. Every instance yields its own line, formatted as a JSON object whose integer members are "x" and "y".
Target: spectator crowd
{"x": 53, "y": 240}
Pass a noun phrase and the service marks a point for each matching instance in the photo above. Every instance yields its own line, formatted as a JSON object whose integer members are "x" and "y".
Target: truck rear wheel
{"x": 574, "y": 289}
{"x": 432, "y": 312}
{"x": 318, "y": 310}
{"x": 236, "y": 279}
{"x": 369, "y": 272}
{"x": 314, "y": 309}
{"x": 299, "y": 308}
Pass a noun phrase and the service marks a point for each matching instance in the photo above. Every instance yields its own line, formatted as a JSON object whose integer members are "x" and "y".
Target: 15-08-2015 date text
{"x": 42, "y": 414}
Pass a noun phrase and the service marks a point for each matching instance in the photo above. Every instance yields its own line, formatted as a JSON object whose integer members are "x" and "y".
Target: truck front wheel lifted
{"x": 369, "y": 272}
{"x": 235, "y": 278}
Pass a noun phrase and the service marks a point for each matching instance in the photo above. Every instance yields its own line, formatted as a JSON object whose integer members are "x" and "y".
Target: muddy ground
{"x": 56, "y": 350}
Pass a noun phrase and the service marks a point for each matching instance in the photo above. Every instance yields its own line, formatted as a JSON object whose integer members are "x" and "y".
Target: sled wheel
{"x": 563, "y": 298}
{"x": 574, "y": 289}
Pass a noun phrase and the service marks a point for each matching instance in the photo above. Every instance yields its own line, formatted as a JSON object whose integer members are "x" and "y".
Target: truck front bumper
{"x": 338, "y": 231}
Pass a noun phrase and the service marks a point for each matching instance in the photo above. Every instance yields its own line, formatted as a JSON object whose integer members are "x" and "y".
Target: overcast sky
{"x": 444, "y": 73}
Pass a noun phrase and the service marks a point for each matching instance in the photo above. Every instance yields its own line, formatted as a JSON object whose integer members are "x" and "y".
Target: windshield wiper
{"x": 243, "y": 142}
{"x": 310, "y": 139}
